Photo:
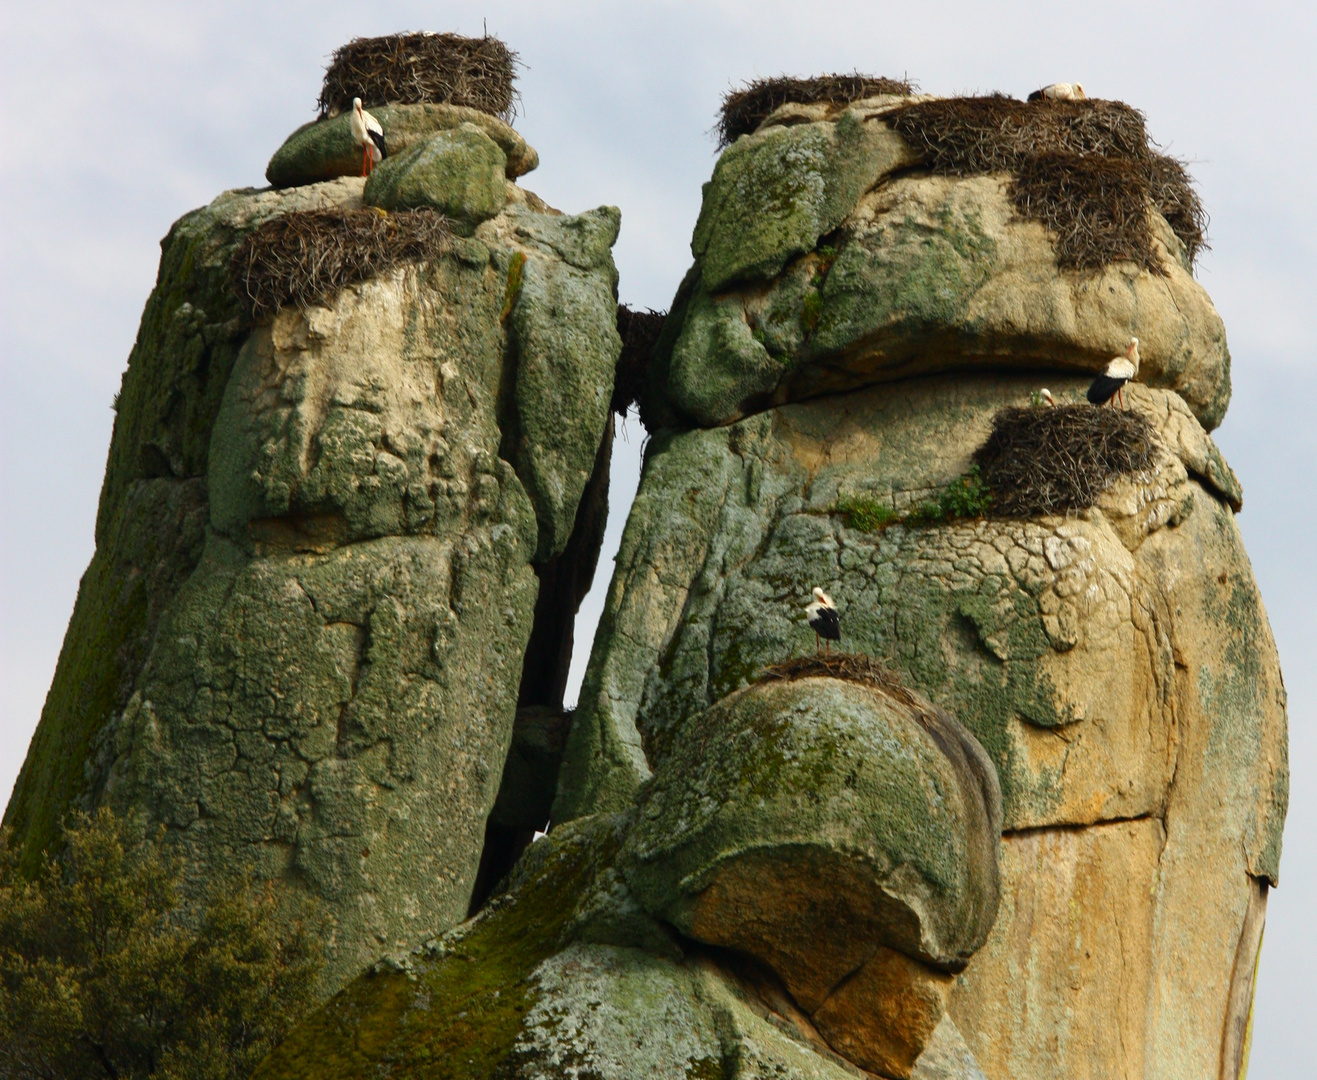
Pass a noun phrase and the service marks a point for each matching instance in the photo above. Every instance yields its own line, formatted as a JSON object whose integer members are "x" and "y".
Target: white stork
{"x": 1118, "y": 372}
{"x": 1046, "y": 396}
{"x": 1060, "y": 91}
{"x": 823, "y": 619}
{"x": 367, "y": 133}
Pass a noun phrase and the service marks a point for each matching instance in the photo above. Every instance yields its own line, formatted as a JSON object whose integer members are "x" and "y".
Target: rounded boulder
{"x": 811, "y": 822}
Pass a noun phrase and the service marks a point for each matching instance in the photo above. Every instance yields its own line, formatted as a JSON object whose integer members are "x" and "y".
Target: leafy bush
{"x": 104, "y": 972}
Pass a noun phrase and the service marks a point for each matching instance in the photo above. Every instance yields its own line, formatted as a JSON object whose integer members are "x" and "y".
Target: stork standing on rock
{"x": 1118, "y": 372}
{"x": 367, "y": 133}
{"x": 1059, "y": 91}
{"x": 823, "y": 619}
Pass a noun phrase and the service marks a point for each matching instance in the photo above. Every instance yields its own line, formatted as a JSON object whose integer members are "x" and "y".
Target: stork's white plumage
{"x": 823, "y": 619}
{"x": 367, "y": 133}
{"x": 1117, "y": 373}
{"x": 1046, "y": 395}
{"x": 1059, "y": 91}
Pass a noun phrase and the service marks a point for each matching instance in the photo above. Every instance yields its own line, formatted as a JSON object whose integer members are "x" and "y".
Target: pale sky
{"x": 122, "y": 116}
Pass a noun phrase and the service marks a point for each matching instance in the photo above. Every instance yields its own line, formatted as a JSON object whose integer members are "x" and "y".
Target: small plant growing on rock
{"x": 105, "y": 973}
{"x": 965, "y": 497}
{"x": 516, "y": 277}
{"x": 812, "y": 310}
{"x": 864, "y": 513}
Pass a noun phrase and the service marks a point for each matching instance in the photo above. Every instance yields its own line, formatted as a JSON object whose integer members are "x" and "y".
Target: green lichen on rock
{"x": 910, "y": 275}
{"x": 324, "y": 149}
{"x": 319, "y": 576}
{"x": 774, "y": 193}
{"x": 153, "y": 502}
{"x": 562, "y": 326}
{"x": 853, "y": 817}
{"x": 455, "y": 1010}
{"x": 733, "y": 526}
{"x": 823, "y": 265}
{"x": 718, "y": 363}
{"x": 459, "y": 172}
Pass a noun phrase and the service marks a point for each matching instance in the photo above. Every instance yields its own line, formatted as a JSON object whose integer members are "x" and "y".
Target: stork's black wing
{"x": 826, "y": 624}
{"x": 1037, "y": 95}
{"x": 377, "y": 137}
{"x": 1104, "y": 388}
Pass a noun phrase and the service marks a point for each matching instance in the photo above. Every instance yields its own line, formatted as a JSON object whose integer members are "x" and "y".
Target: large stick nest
{"x": 639, "y": 331}
{"x": 1044, "y": 460}
{"x": 745, "y": 109}
{"x": 304, "y": 257}
{"x": 422, "y": 69}
{"x": 1085, "y": 169}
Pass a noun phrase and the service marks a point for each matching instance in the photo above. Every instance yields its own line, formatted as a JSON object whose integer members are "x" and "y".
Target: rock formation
{"x": 1024, "y": 826}
{"x": 299, "y": 645}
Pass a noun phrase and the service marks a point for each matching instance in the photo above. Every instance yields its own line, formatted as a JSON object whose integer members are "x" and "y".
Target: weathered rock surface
{"x": 823, "y": 264}
{"x": 809, "y": 823}
{"x": 331, "y": 648}
{"x": 516, "y": 993}
{"x": 323, "y": 149}
{"x": 1044, "y": 851}
{"x": 1096, "y": 658}
{"x": 459, "y": 172}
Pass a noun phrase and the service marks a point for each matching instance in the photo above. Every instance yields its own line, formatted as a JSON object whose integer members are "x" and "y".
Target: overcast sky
{"x": 122, "y": 116}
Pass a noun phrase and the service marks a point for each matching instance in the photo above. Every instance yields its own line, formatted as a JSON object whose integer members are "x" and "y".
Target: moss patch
{"x": 454, "y": 1009}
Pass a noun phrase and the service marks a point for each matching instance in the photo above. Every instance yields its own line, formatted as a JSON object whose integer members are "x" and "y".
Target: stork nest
{"x": 853, "y": 667}
{"x": 304, "y": 257}
{"x": 1085, "y": 169}
{"x": 422, "y": 69}
{"x": 1045, "y": 460}
{"x": 639, "y": 331}
{"x": 745, "y": 109}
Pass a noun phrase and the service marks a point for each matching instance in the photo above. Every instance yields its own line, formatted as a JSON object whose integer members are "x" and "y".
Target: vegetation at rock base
{"x": 105, "y": 972}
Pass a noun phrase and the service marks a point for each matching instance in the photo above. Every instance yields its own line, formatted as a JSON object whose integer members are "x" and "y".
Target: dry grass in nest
{"x": 852, "y": 667}
{"x": 304, "y": 257}
{"x": 1085, "y": 169}
{"x": 1044, "y": 460}
{"x": 422, "y": 69}
{"x": 1171, "y": 189}
{"x": 970, "y": 135}
{"x": 1096, "y": 206}
{"x": 745, "y": 109}
{"x": 639, "y": 331}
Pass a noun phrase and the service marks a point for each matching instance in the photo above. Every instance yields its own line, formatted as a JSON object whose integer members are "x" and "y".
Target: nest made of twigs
{"x": 1049, "y": 460}
{"x": 1085, "y": 169}
{"x": 639, "y": 331}
{"x": 853, "y": 667}
{"x": 745, "y": 109}
{"x": 422, "y": 69}
{"x": 304, "y": 257}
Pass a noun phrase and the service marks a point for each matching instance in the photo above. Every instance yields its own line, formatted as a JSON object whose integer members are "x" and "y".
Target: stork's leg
{"x": 816, "y": 642}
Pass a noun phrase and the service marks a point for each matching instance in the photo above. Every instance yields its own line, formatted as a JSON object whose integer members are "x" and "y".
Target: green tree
{"x": 106, "y": 972}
